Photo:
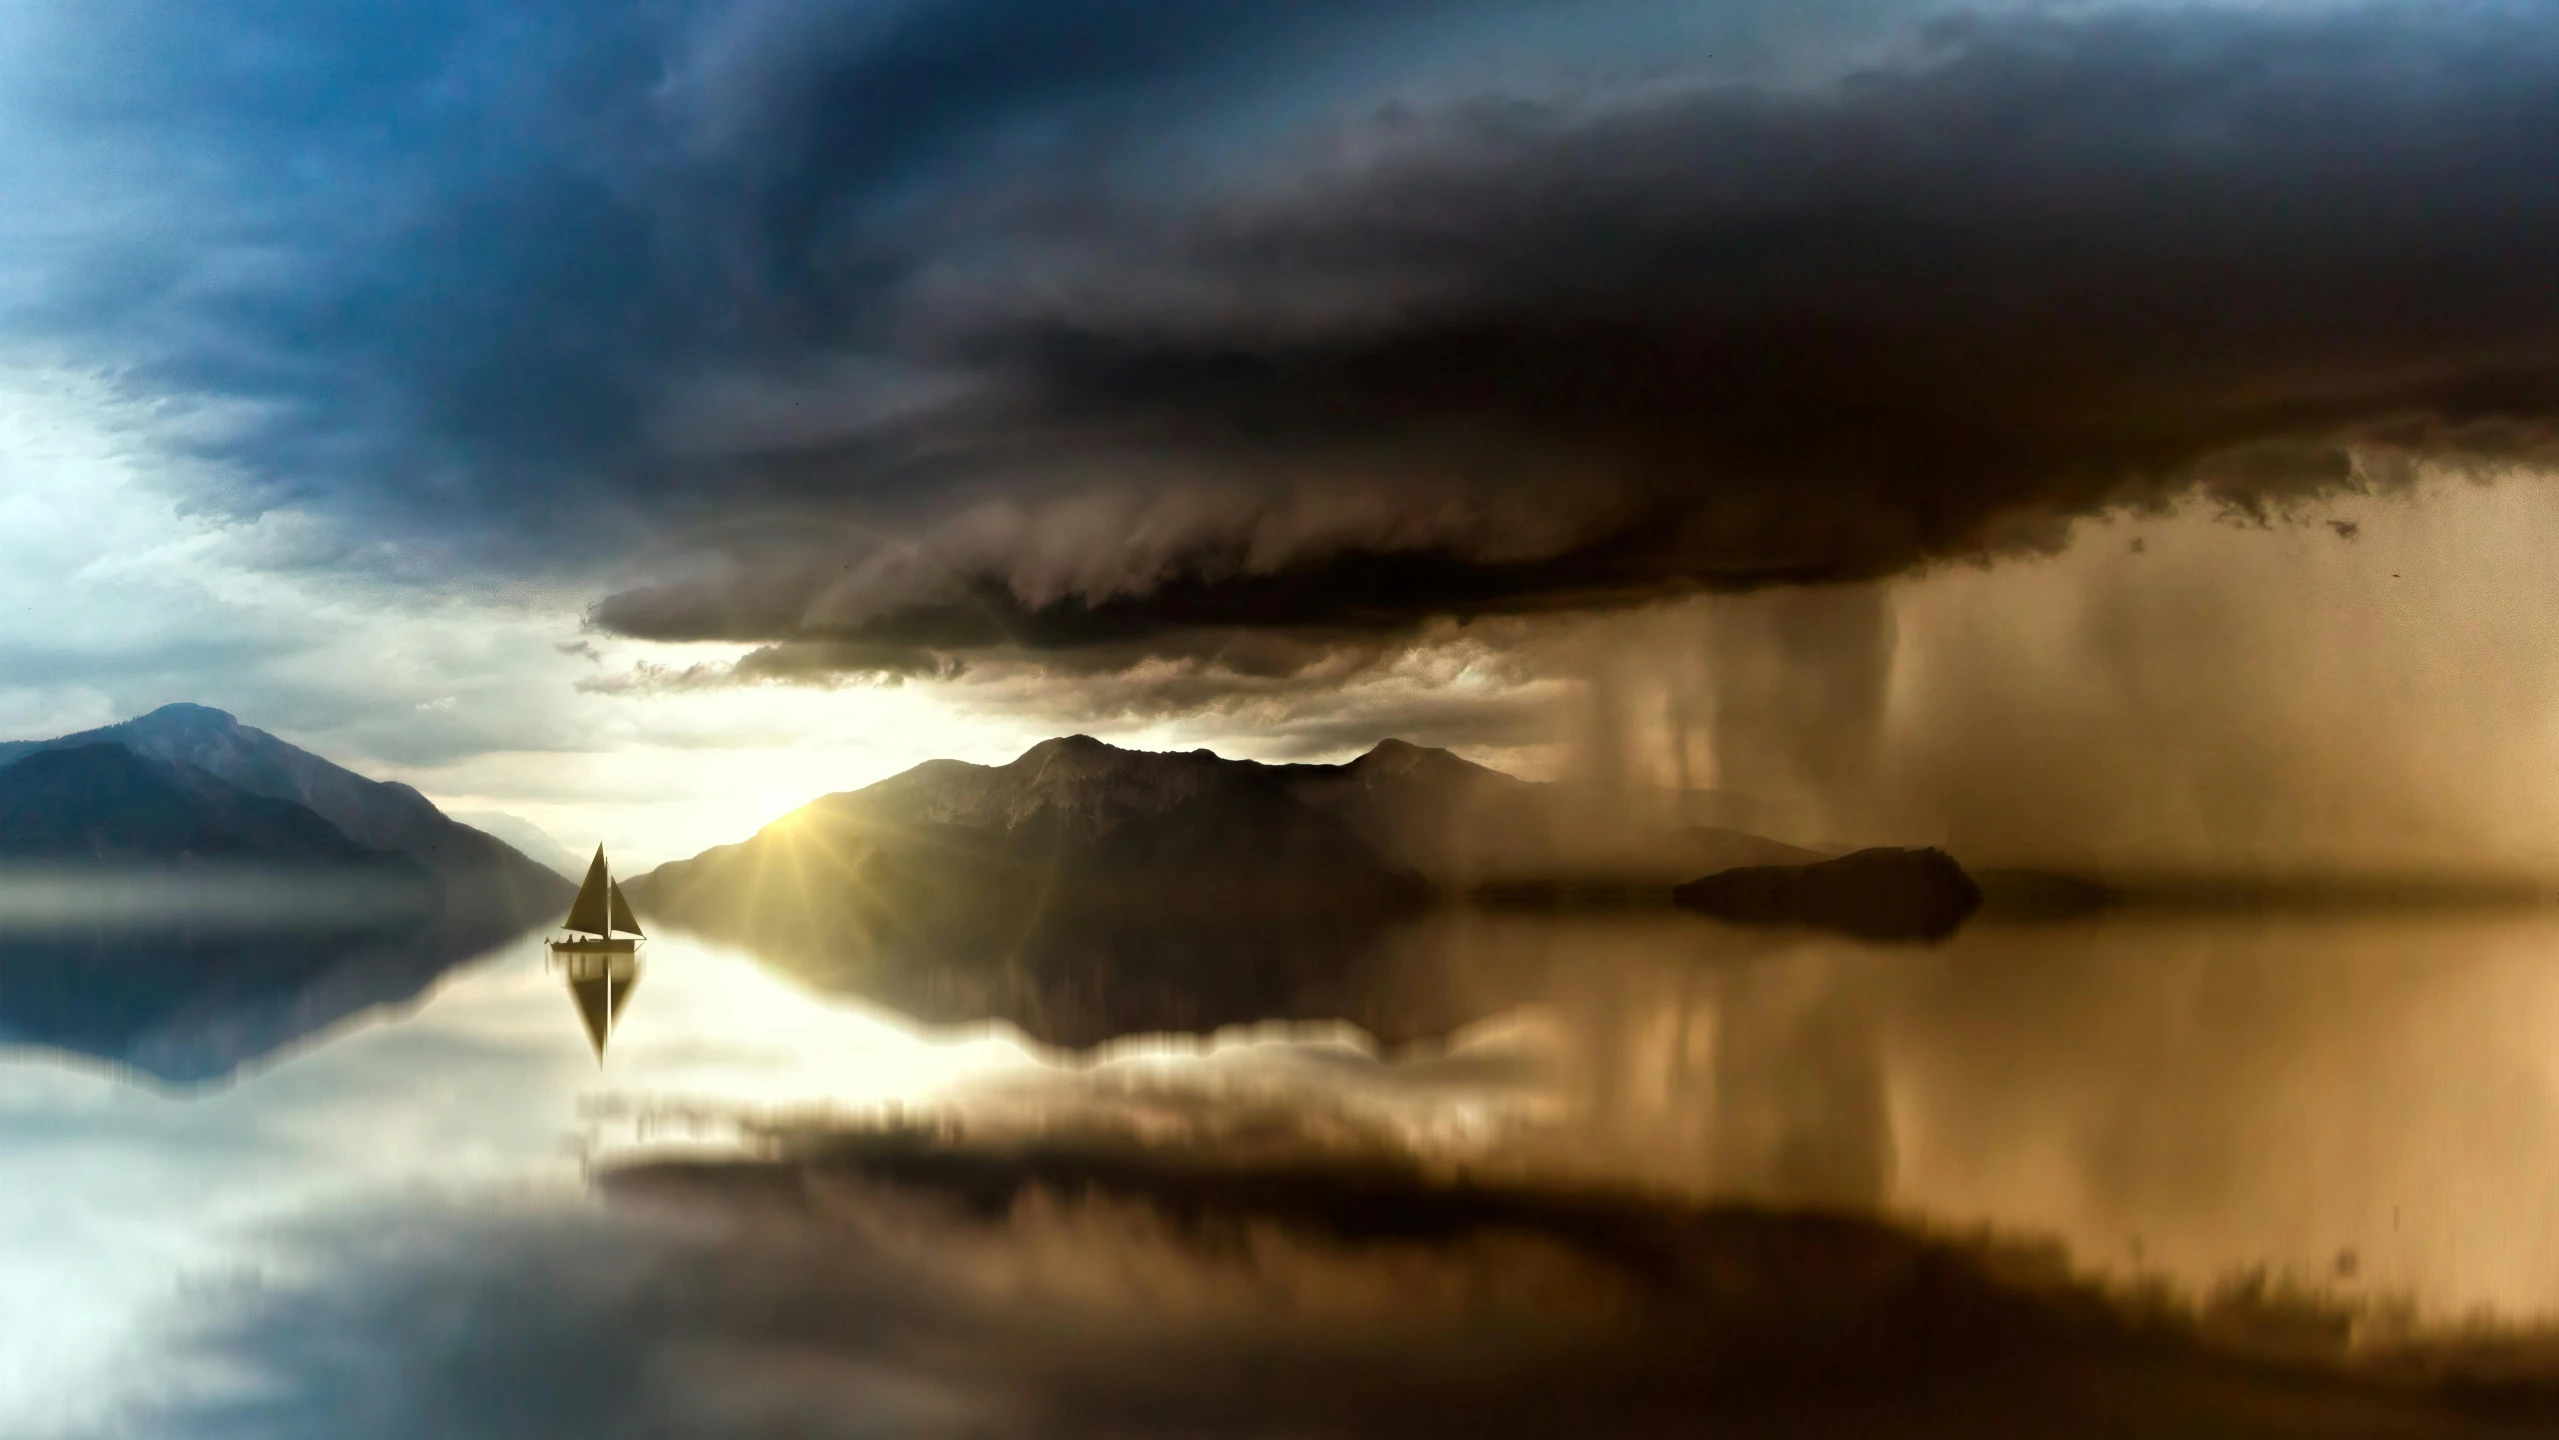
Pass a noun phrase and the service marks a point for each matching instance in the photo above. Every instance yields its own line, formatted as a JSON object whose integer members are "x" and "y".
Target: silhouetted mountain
{"x": 1082, "y": 891}
{"x": 478, "y": 869}
{"x": 1468, "y": 827}
{"x": 527, "y": 839}
{"x": 246, "y": 894}
{"x": 1085, "y": 891}
{"x": 1880, "y": 894}
{"x": 1087, "y": 828}
{"x": 103, "y": 803}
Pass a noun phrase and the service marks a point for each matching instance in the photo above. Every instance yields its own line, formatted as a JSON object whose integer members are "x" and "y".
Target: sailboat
{"x": 600, "y": 952}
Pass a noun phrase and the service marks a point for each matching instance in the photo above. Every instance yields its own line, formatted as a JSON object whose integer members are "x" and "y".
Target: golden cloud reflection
{"x": 2365, "y": 1101}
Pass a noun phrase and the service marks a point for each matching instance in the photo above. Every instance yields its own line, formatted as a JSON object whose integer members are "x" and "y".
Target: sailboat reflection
{"x": 600, "y": 953}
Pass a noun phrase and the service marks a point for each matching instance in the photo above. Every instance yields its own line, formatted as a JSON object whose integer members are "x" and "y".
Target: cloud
{"x": 447, "y": 268}
{"x": 820, "y": 663}
{"x": 115, "y": 599}
{"x": 904, "y": 336}
{"x": 1509, "y": 357}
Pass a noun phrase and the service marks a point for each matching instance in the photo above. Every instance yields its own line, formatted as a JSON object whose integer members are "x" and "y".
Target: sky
{"x": 2060, "y": 430}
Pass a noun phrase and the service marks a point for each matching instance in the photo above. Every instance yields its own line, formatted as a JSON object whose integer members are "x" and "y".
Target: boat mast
{"x": 607, "y": 957}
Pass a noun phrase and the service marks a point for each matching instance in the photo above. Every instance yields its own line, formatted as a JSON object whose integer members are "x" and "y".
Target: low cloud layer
{"x": 1514, "y": 357}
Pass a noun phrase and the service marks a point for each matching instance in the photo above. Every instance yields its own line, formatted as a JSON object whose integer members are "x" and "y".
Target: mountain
{"x": 1089, "y": 828}
{"x": 1468, "y": 827}
{"x": 104, "y": 803}
{"x": 192, "y": 894}
{"x": 478, "y": 870}
{"x": 1084, "y": 891}
{"x": 528, "y": 839}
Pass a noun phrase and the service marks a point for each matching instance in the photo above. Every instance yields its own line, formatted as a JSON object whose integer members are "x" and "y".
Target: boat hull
{"x": 594, "y": 947}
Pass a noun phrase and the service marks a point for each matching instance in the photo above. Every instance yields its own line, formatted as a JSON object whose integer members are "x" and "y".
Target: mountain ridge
{"x": 374, "y": 815}
{"x": 1083, "y": 891}
{"x": 104, "y": 802}
{"x": 254, "y": 918}
{"x": 1422, "y": 811}
{"x": 185, "y": 1005}
{"x": 1136, "y": 815}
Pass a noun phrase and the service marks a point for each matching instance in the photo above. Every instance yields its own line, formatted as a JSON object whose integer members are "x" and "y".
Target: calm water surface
{"x": 2366, "y": 1105}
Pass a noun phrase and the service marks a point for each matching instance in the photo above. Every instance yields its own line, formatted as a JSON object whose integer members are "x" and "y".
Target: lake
{"x": 2357, "y": 1114}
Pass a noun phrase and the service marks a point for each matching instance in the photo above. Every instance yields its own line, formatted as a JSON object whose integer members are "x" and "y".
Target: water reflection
{"x": 600, "y": 984}
{"x": 2175, "y": 1099}
{"x": 2189, "y": 1096}
{"x": 2172, "y": 1095}
{"x": 132, "y": 1208}
{"x": 186, "y": 978}
{"x": 2175, "y": 1096}
{"x": 1059, "y": 1290}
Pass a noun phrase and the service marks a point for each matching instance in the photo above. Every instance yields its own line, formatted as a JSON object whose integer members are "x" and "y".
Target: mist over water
{"x": 38, "y": 900}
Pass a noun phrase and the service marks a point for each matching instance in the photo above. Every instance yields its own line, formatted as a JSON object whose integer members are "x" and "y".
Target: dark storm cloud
{"x": 1510, "y": 357}
{"x": 934, "y": 330}
{"x": 1068, "y": 1287}
{"x": 440, "y": 264}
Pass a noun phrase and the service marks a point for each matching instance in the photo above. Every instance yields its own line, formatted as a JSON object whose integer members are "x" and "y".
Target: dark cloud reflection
{"x": 1082, "y": 1285}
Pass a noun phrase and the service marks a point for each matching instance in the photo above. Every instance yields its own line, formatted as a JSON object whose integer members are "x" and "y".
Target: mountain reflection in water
{"x": 187, "y": 975}
{"x": 816, "y": 1220}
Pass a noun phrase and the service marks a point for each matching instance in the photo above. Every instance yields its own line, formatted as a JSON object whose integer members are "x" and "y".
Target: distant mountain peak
{"x": 1079, "y": 771}
{"x": 374, "y": 814}
{"x": 1403, "y": 757}
{"x": 1071, "y": 775}
{"x": 186, "y": 710}
{"x": 1084, "y": 755}
{"x": 182, "y": 722}
{"x": 1057, "y": 743}
{"x": 106, "y": 802}
{"x": 1084, "y": 750}
{"x": 1069, "y": 749}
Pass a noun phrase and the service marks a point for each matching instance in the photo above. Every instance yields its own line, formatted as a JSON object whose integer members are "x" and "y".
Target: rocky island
{"x": 1877, "y": 894}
